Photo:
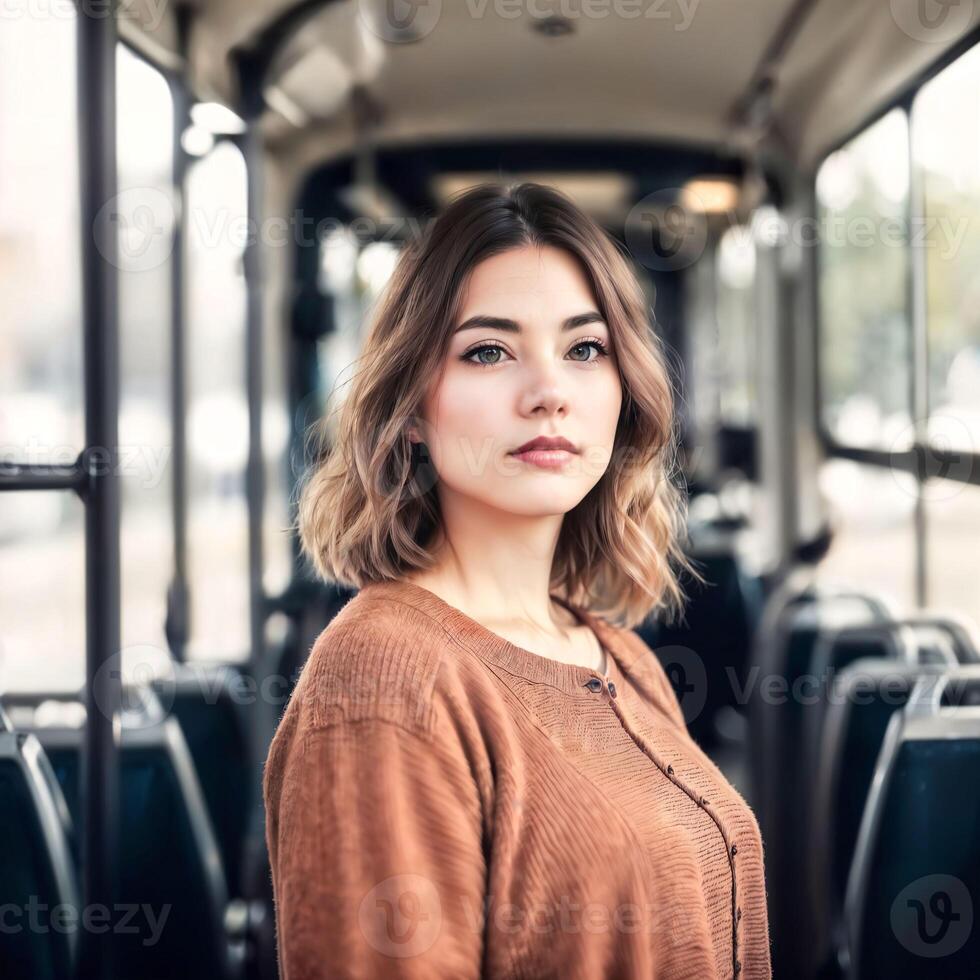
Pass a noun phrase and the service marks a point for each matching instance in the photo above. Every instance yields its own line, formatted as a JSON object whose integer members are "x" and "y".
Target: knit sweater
{"x": 441, "y": 803}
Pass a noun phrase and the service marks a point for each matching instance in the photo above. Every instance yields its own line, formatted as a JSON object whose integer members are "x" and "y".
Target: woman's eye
{"x": 480, "y": 350}
{"x": 495, "y": 353}
{"x": 597, "y": 344}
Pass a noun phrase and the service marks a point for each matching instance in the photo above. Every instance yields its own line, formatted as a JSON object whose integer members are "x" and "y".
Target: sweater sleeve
{"x": 375, "y": 840}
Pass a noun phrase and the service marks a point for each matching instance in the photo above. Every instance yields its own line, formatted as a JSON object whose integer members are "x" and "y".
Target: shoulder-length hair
{"x": 368, "y": 510}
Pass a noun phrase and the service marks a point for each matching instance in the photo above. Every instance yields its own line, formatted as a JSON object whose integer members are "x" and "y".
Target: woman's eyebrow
{"x": 512, "y": 326}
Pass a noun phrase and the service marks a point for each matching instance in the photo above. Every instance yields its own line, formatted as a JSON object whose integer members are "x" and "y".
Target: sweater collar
{"x": 495, "y": 648}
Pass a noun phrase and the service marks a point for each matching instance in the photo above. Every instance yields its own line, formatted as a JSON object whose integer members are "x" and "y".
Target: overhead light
{"x": 710, "y": 195}
{"x": 602, "y": 194}
{"x": 216, "y": 118}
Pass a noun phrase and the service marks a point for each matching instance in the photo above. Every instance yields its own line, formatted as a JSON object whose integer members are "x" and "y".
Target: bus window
{"x": 42, "y": 580}
{"x": 865, "y": 333}
{"x": 146, "y": 221}
{"x": 872, "y": 511}
{"x": 353, "y": 278}
{"x": 946, "y": 147}
{"x": 737, "y": 337}
{"x": 217, "y": 420}
{"x": 952, "y": 541}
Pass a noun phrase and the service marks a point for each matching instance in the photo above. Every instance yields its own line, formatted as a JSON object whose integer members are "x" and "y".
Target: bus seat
{"x": 211, "y": 704}
{"x": 914, "y": 886}
{"x": 867, "y": 693}
{"x": 720, "y": 619}
{"x": 169, "y": 857}
{"x": 35, "y": 863}
{"x": 782, "y": 662}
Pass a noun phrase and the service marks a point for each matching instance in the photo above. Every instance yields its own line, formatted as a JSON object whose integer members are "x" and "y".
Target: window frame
{"x": 922, "y": 460}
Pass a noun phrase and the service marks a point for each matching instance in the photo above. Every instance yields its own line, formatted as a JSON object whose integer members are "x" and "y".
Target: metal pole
{"x": 178, "y": 595}
{"x": 251, "y": 144}
{"x": 96, "y": 85}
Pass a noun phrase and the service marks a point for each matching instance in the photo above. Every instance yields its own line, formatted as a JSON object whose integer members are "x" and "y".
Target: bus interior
{"x": 219, "y": 191}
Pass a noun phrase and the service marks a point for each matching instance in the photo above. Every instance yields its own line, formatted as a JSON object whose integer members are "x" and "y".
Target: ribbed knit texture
{"x": 444, "y": 804}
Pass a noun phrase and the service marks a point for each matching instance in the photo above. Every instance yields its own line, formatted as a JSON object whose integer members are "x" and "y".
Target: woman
{"x": 479, "y": 773}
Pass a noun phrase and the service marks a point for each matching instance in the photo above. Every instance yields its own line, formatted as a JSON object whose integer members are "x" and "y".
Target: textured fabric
{"x": 443, "y": 803}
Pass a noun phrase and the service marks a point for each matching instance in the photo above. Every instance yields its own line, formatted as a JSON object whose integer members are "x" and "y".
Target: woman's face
{"x": 531, "y": 356}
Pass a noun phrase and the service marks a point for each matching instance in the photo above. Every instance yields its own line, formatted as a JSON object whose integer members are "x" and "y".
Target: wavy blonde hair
{"x": 368, "y": 508}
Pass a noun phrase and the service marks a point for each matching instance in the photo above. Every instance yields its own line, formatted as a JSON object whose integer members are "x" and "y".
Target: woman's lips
{"x": 547, "y": 459}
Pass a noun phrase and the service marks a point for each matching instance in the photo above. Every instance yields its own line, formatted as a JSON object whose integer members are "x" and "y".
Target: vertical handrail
{"x": 178, "y": 594}
{"x": 251, "y": 146}
{"x": 96, "y": 93}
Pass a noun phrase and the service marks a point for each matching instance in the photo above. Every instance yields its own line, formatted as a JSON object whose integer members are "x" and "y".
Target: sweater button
{"x": 612, "y": 689}
{"x": 594, "y": 685}
{"x": 738, "y": 914}
{"x": 738, "y": 967}
{"x": 734, "y": 849}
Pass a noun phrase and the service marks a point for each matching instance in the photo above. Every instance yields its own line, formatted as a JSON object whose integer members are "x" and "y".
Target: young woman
{"x": 483, "y": 770}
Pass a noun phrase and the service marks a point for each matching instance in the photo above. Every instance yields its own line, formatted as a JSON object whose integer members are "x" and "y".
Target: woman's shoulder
{"x": 376, "y": 659}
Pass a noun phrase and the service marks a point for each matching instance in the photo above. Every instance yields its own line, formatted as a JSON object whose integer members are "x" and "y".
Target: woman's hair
{"x": 368, "y": 509}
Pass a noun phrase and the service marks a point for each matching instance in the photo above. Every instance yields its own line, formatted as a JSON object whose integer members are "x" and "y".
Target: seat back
{"x": 720, "y": 616}
{"x": 783, "y": 665}
{"x": 865, "y": 696}
{"x": 37, "y": 873}
{"x": 211, "y": 703}
{"x": 169, "y": 863}
{"x": 915, "y": 882}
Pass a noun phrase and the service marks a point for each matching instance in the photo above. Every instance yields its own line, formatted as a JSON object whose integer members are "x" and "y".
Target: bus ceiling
{"x": 686, "y": 71}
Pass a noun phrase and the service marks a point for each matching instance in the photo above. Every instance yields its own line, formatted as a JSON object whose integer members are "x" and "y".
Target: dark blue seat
{"x": 867, "y": 693}
{"x": 211, "y": 702}
{"x": 169, "y": 858}
{"x": 36, "y": 867}
{"x": 914, "y": 887}
{"x": 795, "y": 621}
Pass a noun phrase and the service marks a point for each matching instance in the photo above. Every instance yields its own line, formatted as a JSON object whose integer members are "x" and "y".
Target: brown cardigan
{"x": 444, "y": 804}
